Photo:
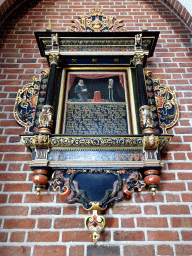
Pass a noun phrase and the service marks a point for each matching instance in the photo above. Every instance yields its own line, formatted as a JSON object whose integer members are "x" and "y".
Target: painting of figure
{"x": 96, "y": 87}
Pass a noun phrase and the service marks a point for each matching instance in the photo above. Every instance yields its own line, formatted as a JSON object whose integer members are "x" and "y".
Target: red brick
{"x": 17, "y": 198}
{"x": 179, "y": 166}
{"x": 21, "y": 187}
{"x": 111, "y": 222}
{"x": 44, "y": 223}
{"x": 60, "y": 199}
{"x": 17, "y": 237}
{"x": 183, "y": 249}
{"x": 14, "y": 139}
{"x": 129, "y": 236}
{"x": 185, "y": 176}
{"x": 143, "y": 250}
{"x": 172, "y": 198}
{"x": 167, "y": 176}
{"x": 19, "y": 223}
{"x": 3, "y": 237}
{"x": 127, "y": 210}
{"x": 83, "y": 236}
{"x": 76, "y": 250}
{"x": 50, "y": 250}
{"x": 41, "y": 236}
{"x": 3, "y": 139}
{"x": 179, "y": 156}
{"x": 171, "y": 186}
{"x": 16, "y": 157}
{"x": 178, "y": 147}
{"x": 186, "y": 235}
{"x": 174, "y": 209}
{"x": 13, "y": 210}
{"x": 45, "y": 210}
{"x": 162, "y": 236}
{"x": 186, "y": 197}
{"x": 150, "y": 210}
{"x": 148, "y": 198}
{"x": 33, "y": 198}
{"x": 127, "y": 223}
{"x": 14, "y": 167}
{"x": 68, "y": 223}
{"x": 13, "y": 176}
{"x": 152, "y": 222}
{"x": 3, "y": 167}
{"x": 3, "y": 199}
{"x": 183, "y": 130}
{"x": 69, "y": 210}
{"x": 190, "y": 186}
{"x": 189, "y": 156}
{"x": 15, "y": 250}
{"x": 165, "y": 250}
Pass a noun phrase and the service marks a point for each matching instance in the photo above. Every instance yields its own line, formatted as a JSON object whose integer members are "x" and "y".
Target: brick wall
{"x": 140, "y": 225}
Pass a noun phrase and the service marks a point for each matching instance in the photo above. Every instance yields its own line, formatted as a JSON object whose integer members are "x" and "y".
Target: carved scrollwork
{"x": 167, "y": 107}
{"x": 97, "y": 22}
{"x": 25, "y": 105}
{"x": 68, "y": 183}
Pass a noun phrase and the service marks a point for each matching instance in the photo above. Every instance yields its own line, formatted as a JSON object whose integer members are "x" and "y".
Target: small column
{"x": 46, "y": 115}
{"x": 145, "y": 112}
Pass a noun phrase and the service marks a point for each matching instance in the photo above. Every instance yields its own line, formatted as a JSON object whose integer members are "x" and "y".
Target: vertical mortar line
{"x": 179, "y": 232}
{"x": 77, "y": 210}
{"x": 120, "y": 226}
{"x": 52, "y": 222}
{"x": 85, "y": 250}
{"x": 121, "y": 250}
{"x": 158, "y": 210}
{"x": 174, "y": 250}
{"x": 67, "y": 249}
{"x": 9, "y": 235}
{"x": 155, "y": 248}
{"x": 145, "y": 230}
{"x": 169, "y": 221}
{"x": 112, "y": 236}
{"x": 3, "y": 185}
{"x": 26, "y": 235}
{"x": 2, "y": 223}
{"x": 60, "y": 237}
{"x": 32, "y": 250}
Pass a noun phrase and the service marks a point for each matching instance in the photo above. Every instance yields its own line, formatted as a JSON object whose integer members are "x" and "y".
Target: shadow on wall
{"x": 13, "y": 14}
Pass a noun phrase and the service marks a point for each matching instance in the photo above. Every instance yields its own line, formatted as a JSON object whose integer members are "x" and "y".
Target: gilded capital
{"x": 138, "y": 59}
{"x": 53, "y": 58}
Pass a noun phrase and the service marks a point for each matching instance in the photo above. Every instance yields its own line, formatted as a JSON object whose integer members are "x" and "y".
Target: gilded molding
{"x": 94, "y": 142}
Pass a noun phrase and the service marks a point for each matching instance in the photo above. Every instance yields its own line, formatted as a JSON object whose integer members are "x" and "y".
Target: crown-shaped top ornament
{"x": 97, "y": 22}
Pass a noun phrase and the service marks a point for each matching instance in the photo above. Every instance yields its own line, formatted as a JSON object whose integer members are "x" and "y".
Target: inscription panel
{"x": 96, "y": 119}
{"x": 92, "y": 155}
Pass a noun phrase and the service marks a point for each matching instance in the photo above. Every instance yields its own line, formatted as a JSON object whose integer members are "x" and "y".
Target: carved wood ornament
{"x": 96, "y": 123}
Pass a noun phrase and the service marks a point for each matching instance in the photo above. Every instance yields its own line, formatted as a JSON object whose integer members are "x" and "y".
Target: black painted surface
{"x": 51, "y": 85}
{"x": 141, "y": 86}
